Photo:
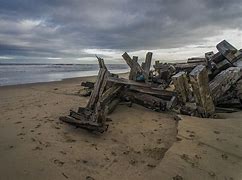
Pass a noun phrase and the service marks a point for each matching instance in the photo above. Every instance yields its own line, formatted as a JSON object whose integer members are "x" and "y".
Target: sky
{"x": 73, "y": 31}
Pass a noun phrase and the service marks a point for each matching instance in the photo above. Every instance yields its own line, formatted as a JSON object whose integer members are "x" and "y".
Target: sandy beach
{"x": 139, "y": 144}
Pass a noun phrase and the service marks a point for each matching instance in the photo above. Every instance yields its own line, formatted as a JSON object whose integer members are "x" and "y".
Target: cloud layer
{"x": 77, "y": 29}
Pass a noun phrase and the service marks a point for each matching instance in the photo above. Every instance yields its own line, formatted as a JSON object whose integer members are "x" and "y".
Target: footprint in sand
{"x": 89, "y": 178}
{"x": 224, "y": 156}
{"x": 21, "y": 134}
{"x": 58, "y": 162}
{"x": 18, "y": 122}
{"x": 177, "y": 177}
{"x": 37, "y": 148}
{"x": 37, "y": 126}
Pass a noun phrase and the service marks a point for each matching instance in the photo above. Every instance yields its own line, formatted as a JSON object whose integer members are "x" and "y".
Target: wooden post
{"x": 201, "y": 91}
{"x": 181, "y": 86}
{"x": 133, "y": 71}
{"x": 135, "y": 65}
{"x": 147, "y": 63}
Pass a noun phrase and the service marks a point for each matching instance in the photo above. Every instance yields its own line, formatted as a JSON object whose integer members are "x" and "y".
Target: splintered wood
{"x": 181, "y": 86}
{"x": 199, "y": 81}
{"x": 202, "y": 87}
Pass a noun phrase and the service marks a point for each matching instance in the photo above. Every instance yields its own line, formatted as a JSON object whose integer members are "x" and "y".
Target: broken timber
{"x": 223, "y": 81}
{"x": 92, "y": 117}
{"x": 195, "y": 94}
{"x": 199, "y": 81}
{"x": 135, "y": 65}
{"x": 133, "y": 71}
{"x": 181, "y": 86}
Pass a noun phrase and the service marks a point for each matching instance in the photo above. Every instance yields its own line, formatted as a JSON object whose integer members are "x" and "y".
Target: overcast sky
{"x": 74, "y": 30}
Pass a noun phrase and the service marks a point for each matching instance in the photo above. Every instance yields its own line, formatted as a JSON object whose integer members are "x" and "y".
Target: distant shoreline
{"x": 64, "y": 80}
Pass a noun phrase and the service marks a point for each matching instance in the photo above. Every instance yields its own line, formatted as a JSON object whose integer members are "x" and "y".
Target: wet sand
{"x": 139, "y": 144}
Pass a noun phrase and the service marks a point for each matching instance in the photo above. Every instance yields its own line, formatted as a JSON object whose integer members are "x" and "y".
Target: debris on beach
{"x": 201, "y": 87}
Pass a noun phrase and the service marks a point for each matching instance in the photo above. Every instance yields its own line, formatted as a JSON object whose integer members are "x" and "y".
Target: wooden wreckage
{"x": 201, "y": 87}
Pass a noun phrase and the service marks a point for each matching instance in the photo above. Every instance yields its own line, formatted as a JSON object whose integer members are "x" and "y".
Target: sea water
{"x": 12, "y": 74}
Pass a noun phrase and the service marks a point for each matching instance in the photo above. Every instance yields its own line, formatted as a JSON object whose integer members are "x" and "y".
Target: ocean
{"x": 13, "y": 74}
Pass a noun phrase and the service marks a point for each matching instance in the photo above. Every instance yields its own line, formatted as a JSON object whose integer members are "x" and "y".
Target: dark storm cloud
{"x": 63, "y": 28}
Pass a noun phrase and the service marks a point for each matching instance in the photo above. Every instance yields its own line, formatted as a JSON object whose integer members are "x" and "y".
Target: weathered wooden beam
{"x": 101, "y": 62}
{"x": 229, "y": 51}
{"x": 98, "y": 88}
{"x": 134, "y": 64}
{"x": 218, "y": 57}
{"x": 91, "y": 127}
{"x": 219, "y": 67}
{"x": 181, "y": 86}
{"x": 110, "y": 93}
{"x": 146, "y": 100}
{"x": 199, "y": 81}
{"x": 147, "y": 63}
{"x": 223, "y": 81}
{"x": 188, "y": 67}
{"x": 164, "y": 94}
{"x": 238, "y": 89}
{"x": 196, "y": 60}
{"x": 224, "y": 47}
{"x": 133, "y": 71}
{"x": 112, "y": 105}
{"x": 126, "y": 82}
{"x": 225, "y": 110}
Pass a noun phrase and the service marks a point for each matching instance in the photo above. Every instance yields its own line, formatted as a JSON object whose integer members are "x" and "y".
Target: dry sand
{"x": 139, "y": 144}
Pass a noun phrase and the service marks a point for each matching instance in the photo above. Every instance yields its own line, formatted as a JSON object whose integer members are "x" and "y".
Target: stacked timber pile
{"x": 202, "y": 87}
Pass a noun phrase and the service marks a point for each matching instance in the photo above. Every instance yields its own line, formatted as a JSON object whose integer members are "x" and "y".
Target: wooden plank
{"x": 196, "y": 60}
{"x": 96, "y": 91}
{"x": 110, "y": 93}
{"x": 86, "y": 125}
{"x": 167, "y": 95}
{"x": 146, "y": 100}
{"x": 199, "y": 81}
{"x": 181, "y": 86}
{"x": 126, "y": 82}
{"x": 223, "y": 81}
{"x": 112, "y": 105}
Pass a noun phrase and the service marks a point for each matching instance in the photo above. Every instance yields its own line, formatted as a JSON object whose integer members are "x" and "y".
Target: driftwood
{"x": 182, "y": 88}
{"x": 193, "y": 95}
{"x": 146, "y": 65}
{"x": 199, "y": 81}
{"x": 126, "y": 82}
{"x": 223, "y": 81}
{"x": 134, "y": 65}
{"x": 196, "y": 60}
{"x": 146, "y": 100}
{"x": 229, "y": 51}
{"x": 92, "y": 117}
{"x": 164, "y": 94}
{"x": 133, "y": 71}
